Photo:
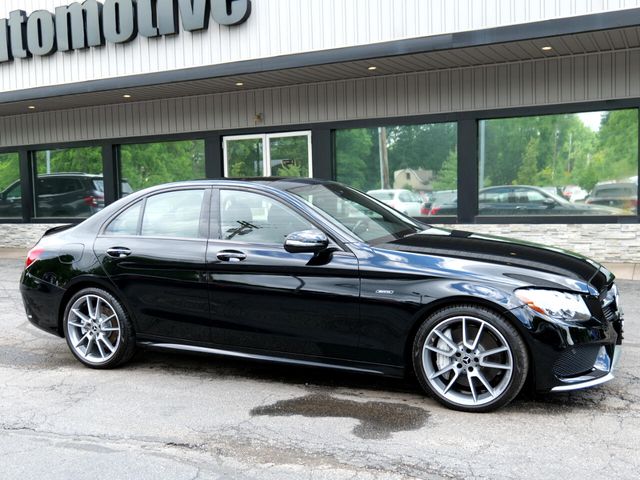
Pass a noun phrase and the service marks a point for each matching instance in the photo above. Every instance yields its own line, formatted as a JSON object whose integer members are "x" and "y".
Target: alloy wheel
{"x": 94, "y": 329}
{"x": 467, "y": 361}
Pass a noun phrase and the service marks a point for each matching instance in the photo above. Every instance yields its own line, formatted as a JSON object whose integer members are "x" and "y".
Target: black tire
{"x": 491, "y": 332}
{"x": 124, "y": 347}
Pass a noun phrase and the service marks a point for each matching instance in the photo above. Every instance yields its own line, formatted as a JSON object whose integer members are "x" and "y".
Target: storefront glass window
{"x": 413, "y": 168}
{"x": 68, "y": 182}
{"x": 148, "y": 164}
{"x": 10, "y": 193}
{"x": 569, "y": 164}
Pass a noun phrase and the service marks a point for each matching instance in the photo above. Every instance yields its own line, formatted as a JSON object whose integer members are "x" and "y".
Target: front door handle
{"x": 118, "y": 252}
{"x": 231, "y": 256}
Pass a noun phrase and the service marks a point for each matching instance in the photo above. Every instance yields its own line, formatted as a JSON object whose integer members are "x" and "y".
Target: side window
{"x": 173, "y": 214}
{"x": 251, "y": 217}
{"x": 495, "y": 195}
{"x": 527, "y": 195}
{"x": 15, "y": 192}
{"x": 126, "y": 223}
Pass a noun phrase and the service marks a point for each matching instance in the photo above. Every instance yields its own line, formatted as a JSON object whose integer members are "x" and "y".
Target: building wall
{"x": 581, "y": 78}
{"x": 282, "y": 27}
{"x": 610, "y": 243}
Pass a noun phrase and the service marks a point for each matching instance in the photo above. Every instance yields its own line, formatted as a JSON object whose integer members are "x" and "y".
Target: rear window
{"x": 615, "y": 191}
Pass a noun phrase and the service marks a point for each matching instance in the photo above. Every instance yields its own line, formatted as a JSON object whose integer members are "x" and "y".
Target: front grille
{"x": 575, "y": 361}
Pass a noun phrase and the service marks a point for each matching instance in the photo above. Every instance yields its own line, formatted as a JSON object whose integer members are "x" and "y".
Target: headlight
{"x": 554, "y": 304}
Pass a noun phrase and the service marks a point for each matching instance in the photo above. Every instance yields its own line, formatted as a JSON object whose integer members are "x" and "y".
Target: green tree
{"x": 528, "y": 170}
{"x": 357, "y": 161}
{"x": 9, "y": 169}
{"x": 447, "y": 177}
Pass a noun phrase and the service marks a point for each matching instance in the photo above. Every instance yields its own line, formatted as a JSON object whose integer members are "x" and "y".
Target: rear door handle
{"x": 118, "y": 252}
{"x": 231, "y": 256}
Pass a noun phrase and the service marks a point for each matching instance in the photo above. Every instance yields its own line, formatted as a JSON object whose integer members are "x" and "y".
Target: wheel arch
{"x": 439, "y": 304}
{"x": 82, "y": 282}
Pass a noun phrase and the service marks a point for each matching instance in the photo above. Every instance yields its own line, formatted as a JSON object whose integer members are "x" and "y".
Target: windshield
{"x": 368, "y": 219}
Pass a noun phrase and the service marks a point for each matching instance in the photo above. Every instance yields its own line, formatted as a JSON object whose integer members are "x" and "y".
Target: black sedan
{"x": 315, "y": 273}
{"x": 525, "y": 200}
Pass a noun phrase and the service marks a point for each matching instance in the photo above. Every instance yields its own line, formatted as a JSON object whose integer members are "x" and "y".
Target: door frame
{"x": 266, "y": 150}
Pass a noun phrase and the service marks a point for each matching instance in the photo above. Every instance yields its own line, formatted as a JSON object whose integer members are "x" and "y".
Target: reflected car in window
{"x": 623, "y": 195}
{"x": 314, "y": 273}
{"x": 404, "y": 201}
{"x": 514, "y": 200}
{"x": 63, "y": 195}
{"x": 11, "y": 201}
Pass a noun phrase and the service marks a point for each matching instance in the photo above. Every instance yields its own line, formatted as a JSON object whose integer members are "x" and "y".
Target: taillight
{"x": 90, "y": 201}
{"x": 424, "y": 210}
{"x": 34, "y": 254}
{"x": 434, "y": 210}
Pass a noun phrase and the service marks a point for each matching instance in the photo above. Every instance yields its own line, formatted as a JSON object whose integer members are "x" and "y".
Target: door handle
{"x": 231, "y": 256}
{"x": 118, "y": 252}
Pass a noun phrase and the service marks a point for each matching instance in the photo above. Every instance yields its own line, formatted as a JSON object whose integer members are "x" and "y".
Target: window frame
{"x": 217, "y": 226}
{"x": 203, "y": 223}
{"x": 323, "y": 151}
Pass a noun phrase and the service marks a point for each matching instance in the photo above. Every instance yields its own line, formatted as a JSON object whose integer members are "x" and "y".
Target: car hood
{"x": 547, "y": 266}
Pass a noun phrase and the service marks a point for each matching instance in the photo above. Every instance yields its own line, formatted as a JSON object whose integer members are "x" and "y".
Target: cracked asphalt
{"x": 183, "y": 417}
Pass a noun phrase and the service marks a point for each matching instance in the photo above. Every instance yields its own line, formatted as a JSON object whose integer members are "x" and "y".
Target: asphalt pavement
{"x": 178, "y": 416}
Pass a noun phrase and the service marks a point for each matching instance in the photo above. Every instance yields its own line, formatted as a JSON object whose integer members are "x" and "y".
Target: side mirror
{"x": 306, "y": 241}
{"x": 549, "y": 202}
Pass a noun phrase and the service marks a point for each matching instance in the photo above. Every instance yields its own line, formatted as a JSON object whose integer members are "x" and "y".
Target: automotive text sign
{"x": 92, "y": 23}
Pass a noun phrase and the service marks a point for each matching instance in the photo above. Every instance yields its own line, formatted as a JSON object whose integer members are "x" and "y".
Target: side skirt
{"x": 254, "y": 356}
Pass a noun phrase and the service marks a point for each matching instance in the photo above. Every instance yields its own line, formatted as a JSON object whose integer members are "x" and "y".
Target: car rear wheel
{"x": 470, "y": 358}
{"x": 98, "y": 330}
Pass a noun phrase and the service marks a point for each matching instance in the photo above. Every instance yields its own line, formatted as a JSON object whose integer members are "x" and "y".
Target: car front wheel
{"x": 97, "y": 329}
{"x": 470, "y": 358}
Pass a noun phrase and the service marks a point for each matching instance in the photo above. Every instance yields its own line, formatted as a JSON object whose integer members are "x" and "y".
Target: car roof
{"x": 615, "y": 184}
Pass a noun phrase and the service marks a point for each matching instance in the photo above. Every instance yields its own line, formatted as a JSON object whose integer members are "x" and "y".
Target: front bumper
{"x": 570, "y": 356}
{"x": 599, "y": 375}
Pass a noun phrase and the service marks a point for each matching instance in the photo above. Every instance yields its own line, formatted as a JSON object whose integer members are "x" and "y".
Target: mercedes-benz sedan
{"x": 315, "y": 273}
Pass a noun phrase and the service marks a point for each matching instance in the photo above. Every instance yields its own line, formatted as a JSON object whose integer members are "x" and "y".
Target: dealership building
{"x": 511, "y": 117}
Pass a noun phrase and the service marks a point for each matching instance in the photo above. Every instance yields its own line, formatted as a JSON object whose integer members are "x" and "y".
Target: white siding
{"x": 281, "y": 27}
{"x": 592, "y": 77}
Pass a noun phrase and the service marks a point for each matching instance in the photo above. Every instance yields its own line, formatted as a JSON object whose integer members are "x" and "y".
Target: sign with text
{"x": 92, "y": 23}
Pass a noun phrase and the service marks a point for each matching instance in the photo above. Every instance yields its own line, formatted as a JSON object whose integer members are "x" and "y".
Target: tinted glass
{"x": 245, "y": 157}
{"x": 64, "y": 185}
{"x": 366, "y": 218}
{"x": 148, "y": 164}
{"x": 10, "y": 194}
{"x": 127, "y": 222}
{"x": 173, "y": 214}
{"x": 419, "y": 158}
{"x": 289, "y": 156}
{"x": 580, "y": 155}
{"x": 250, "y": 217}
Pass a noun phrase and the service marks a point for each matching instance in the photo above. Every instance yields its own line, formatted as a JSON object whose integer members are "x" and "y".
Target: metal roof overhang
{"x": 581, "y": 35}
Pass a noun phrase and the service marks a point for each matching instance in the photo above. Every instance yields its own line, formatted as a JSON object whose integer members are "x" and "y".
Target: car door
{"x": 263, "y": 297}
{"x": 154, "y": 253}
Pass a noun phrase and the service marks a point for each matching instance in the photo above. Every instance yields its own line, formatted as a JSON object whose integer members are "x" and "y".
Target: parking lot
{"x": 182, "y": 417}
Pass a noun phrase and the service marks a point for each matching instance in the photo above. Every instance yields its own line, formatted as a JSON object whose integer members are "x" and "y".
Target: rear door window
{"x": 176, "y": 214}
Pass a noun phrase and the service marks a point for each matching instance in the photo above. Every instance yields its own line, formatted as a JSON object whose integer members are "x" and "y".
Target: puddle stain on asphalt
{"x": 378, "y": 420}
